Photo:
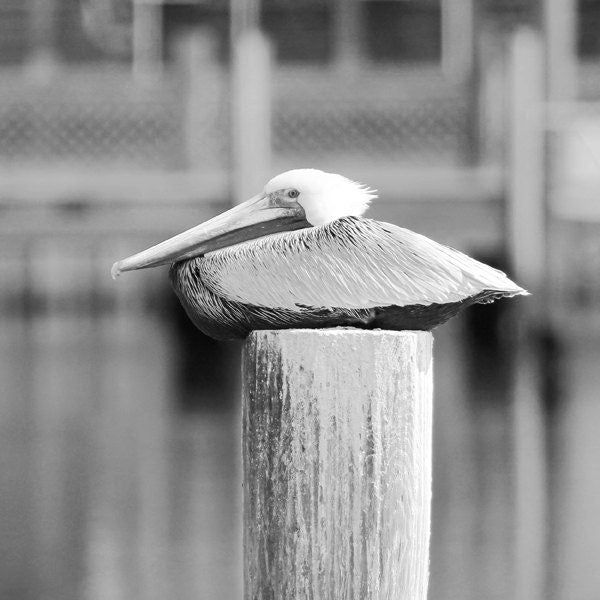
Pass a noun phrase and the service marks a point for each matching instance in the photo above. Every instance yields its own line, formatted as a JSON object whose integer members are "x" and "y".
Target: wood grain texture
{"x": 337, "y": 464}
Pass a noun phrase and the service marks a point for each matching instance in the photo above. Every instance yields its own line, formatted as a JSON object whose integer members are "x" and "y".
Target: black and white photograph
{"x": 300, "y": 299}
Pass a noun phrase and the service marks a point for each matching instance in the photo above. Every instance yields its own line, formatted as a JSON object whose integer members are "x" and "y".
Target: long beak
{"x": 256, "y": 217}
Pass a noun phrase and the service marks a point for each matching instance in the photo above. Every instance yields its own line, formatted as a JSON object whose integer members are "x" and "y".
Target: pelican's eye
{"x": 293, "y": 194}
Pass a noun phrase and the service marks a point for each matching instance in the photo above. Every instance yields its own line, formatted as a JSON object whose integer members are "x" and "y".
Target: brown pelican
{"x": 300, "y": 254}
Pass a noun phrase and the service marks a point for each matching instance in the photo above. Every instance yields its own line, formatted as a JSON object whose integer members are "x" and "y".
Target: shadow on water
{"x": 207, "y": 371}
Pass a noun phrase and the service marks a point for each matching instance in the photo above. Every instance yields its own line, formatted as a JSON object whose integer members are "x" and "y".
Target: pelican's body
{"x": 352, "y": 271}
{"x": 342, "y": 271}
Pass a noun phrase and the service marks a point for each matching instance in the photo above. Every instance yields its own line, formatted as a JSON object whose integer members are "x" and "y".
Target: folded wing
{"x": 349, "y": 263}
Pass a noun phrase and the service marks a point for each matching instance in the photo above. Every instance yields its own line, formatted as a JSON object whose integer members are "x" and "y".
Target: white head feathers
{"x": 324, "y": 196}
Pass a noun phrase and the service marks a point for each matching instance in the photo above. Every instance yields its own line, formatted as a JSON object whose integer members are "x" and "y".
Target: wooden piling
{"x": 337, "y": 464}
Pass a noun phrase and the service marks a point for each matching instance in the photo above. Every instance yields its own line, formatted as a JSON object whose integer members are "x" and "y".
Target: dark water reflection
{"x": 108, "y": 490}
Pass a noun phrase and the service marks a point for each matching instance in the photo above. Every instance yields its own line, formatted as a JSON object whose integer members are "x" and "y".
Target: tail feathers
{"x": 489, "y": 296}
{"x": 478, "y": 277}
{"x": 503, "y": 287}
{"x": 488, "y": 279}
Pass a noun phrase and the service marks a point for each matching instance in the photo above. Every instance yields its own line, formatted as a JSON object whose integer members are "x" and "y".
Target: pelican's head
{"x": 292, "y": 200}
{"x": 324, "y": 197}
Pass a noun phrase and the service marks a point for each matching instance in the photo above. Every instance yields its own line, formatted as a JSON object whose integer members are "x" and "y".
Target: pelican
{"x": 301, "y": 255}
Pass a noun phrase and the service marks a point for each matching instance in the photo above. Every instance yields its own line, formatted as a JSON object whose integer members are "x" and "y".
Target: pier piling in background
{"x": 337, "y": 464}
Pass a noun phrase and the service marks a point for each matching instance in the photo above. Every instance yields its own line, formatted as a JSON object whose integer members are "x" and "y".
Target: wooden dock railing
{"x": 337, "y": 464}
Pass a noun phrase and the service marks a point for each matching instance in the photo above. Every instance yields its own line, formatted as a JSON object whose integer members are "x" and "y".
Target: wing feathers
{"x": 349, "y": 263}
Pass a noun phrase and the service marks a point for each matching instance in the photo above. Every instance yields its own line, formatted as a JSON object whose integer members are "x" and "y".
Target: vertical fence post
{"x": 560, "y": 28}
{"x": 147, "y": 38}
{"x": 337, "y": 464}
{"x": 251, "y": 113}
{"x": 526, "y": 216}
{"x": 43, "y": 34}
{"x": 197, "y": 51}
{"x": 458, "y": 39}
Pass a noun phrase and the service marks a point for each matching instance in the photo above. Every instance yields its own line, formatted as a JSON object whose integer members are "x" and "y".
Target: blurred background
{"x": 126, "y": 121}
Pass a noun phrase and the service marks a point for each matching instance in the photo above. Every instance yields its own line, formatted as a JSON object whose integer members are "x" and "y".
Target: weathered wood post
{"x": 337, "y": 464}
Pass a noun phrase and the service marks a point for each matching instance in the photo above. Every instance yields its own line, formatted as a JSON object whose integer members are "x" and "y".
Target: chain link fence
{"x": 392, "y": 116}
{"x": 104, "y": 118}
{"x": 90, "y": 118}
